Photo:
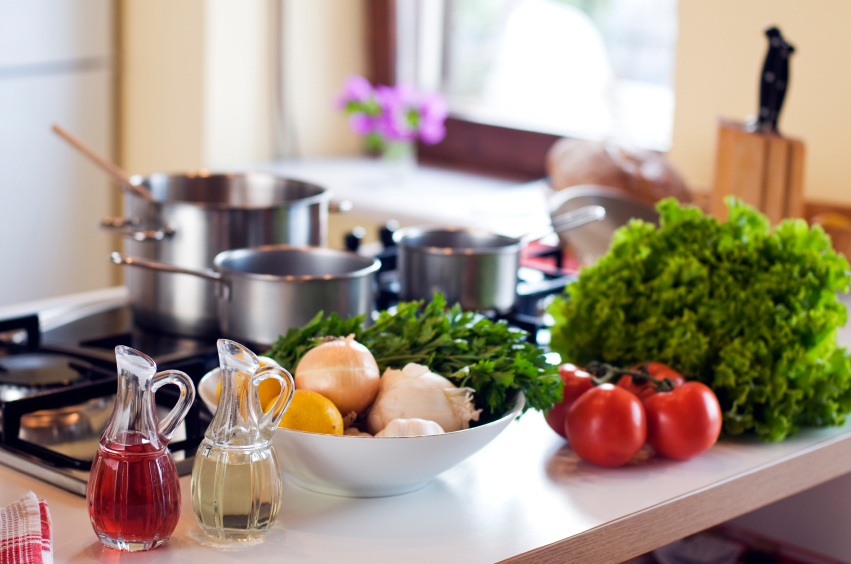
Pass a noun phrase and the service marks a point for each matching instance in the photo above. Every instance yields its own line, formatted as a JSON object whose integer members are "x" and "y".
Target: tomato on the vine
{"x": 606, "y": 426}
{"x": 684, "y": 422}
{"x": 656, "y": 370}
{"x": 576, "y": 382}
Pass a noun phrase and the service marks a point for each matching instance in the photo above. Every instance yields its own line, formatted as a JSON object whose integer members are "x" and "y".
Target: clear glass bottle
{"x": 236, "y": 480}
{"x": 133, "y": 492}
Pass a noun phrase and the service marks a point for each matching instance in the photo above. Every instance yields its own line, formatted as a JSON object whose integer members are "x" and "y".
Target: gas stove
{"x": 58, "y": 373}
{"x": 57, "y": 386}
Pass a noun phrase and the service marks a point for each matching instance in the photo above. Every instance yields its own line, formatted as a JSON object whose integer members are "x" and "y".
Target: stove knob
{"x": 385, "y": 234}
{"x": 353, "y": 239}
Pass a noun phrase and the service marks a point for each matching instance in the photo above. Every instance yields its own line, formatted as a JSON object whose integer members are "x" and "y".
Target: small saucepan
{"x": 475, "y": 268}
{"x": 264, "y": 291}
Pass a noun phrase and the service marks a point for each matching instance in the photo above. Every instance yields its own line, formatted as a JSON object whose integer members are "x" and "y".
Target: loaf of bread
{"x": 646, "y": 175}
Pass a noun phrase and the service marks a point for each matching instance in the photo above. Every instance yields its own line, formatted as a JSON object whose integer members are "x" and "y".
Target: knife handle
{"x": 774, "y": 80}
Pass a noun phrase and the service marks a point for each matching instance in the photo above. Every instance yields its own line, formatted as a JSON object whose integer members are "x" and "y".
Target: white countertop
{"x": 426, "y": 194}
{"x": 524, "y": 491}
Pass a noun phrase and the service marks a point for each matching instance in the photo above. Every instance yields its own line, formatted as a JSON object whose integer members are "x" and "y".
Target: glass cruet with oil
{"x": 236, "y": 479}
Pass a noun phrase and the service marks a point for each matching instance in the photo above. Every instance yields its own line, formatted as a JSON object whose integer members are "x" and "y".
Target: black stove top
{"x": 57, "y": 389}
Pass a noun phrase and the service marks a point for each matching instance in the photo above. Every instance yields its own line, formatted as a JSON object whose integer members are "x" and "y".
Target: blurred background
{"x": 164, "y": 86}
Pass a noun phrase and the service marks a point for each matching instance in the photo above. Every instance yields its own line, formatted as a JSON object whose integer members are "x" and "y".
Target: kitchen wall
{"x": 719, "y": 56}
{"x": 196, "y": 69}
{"x": 56, "y": 66}
{"x": 199, "y": 76}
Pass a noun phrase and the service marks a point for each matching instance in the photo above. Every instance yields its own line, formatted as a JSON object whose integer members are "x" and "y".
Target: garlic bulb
{"x": 410, "y": 428}
{"x": 343, "y": 371}
{"x": 355, "y": 432}
{"x": 414, "y": 392}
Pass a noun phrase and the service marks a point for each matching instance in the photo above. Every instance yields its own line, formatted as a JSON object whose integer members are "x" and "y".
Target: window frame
{"x": 479, "y": 147}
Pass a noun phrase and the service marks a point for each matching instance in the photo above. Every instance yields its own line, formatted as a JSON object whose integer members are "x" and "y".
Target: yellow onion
{"x": 343, "y": 371}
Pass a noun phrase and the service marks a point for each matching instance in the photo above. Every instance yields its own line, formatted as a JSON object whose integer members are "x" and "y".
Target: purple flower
{"x": 432, "y": 132}
{"x": 394, "y": 125}
{"x": 393, "y": 113}
{"x": 432, "y": 107}
{"x": 356, "y": 89}
{"x": 433, "y": 112}
{"x": 362, "y": 124}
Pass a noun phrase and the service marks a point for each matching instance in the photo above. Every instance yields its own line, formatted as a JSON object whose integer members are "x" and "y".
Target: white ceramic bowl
{"x": 370, "y": 466}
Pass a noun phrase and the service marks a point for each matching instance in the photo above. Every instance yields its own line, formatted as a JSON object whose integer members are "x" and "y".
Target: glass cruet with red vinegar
{"x": 133, "y": 492}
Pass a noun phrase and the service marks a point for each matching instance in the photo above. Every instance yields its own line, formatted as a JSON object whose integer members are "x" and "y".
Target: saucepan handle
{"x": 342, "y": 206}
{"x": 187, "y": 396}
{"x": 269, "y": 420}
{"x": 207, "y": 273}
{"x": 127, "y": 227}
{"x": 567, "y": 221}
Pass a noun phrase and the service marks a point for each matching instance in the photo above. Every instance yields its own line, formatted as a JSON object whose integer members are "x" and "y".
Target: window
{"x": 592, "y": 69}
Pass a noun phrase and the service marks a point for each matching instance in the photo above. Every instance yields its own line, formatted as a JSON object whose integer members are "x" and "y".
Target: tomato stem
{"x": 603, "y": 373}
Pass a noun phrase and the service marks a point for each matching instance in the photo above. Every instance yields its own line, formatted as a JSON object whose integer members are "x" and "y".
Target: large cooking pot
{"x": 264, "y": 291}
{"x": 195, "y": 217}
{"x": 475, "y": 268}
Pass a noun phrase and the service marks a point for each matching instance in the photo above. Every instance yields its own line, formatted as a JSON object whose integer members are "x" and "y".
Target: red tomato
{"x": 683, "y": 423}
{"x": 576, "y": 382}
{"x": 656, "y": 370}
{"x": 606, "y": 426}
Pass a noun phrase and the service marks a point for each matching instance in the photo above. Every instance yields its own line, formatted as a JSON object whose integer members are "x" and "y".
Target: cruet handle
{"x": 187, "y": 396}
{"x": 269, "y": 420}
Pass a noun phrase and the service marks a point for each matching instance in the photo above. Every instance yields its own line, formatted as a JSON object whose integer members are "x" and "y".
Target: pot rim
{"x": 232, "y": 273}
{"x": 512, "y": 246}
{"x": 138, "y": 179}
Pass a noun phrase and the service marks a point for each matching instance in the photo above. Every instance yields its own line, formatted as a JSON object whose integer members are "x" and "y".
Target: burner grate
{"x": 13, "y": 412}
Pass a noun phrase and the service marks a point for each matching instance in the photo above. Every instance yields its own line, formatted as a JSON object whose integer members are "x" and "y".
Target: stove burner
{"x": 68, "y": 424}
{"x": 33, "y": 370}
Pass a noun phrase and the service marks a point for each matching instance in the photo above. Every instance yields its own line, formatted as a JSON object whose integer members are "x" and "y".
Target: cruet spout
{"x": 239, "y": 419}
{"x": 134, "y": 417}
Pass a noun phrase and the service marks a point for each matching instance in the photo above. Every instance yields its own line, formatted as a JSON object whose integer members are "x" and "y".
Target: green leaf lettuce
{"x": 751, "y": 312}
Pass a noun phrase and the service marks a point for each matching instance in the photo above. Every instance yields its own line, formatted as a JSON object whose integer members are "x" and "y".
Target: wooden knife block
{"x": 764, "y": 170}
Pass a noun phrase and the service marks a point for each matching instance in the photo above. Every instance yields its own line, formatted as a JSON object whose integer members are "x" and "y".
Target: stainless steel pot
{"x": 590, "y": 242}
{"x": 475, "y": 268}
{"x": 264, "y": 291}
{"x": 194, "y": 218}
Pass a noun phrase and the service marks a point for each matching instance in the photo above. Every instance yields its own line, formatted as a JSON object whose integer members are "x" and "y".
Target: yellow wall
{"x": 238, "y": 60}
{"x": 197, "y": 80}
{"x": 161, "y": 90}
{"x": 324, "y": 42}
{"x": 720, "y": 51}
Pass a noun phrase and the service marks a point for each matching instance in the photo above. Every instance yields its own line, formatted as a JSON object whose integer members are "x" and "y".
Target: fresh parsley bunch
{"x": 753, "y": 313}
{"x": 468, "y": 349}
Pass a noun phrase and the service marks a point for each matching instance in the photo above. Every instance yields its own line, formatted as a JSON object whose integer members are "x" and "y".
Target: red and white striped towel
{"x": 26, "y": 533}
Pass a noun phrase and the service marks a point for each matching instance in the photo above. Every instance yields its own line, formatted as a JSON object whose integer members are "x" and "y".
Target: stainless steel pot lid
{"x": 295, "y": 264}
{"x": 455, "y": 241}
{"x": 250, "y": 190}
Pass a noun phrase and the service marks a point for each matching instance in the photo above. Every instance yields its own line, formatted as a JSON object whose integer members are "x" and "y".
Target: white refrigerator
{"x": 57, "y": 65}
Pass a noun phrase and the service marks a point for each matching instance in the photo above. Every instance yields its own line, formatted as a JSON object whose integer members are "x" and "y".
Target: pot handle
{"x": 343, "y": 206}
{"x": 568, "y": 221}
{"x": 207, "y": 273}
{"x": 125, "y": 226}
